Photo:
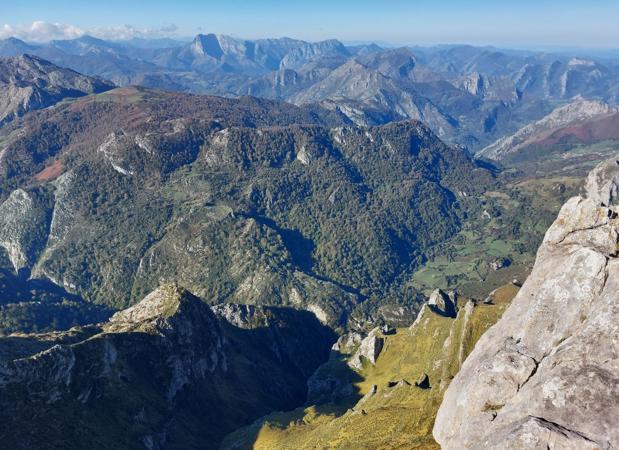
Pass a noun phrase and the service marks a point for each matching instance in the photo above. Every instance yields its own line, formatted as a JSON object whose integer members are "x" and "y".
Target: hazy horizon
{"x": 188, "y": 38}
{"x": 527, "y": 25}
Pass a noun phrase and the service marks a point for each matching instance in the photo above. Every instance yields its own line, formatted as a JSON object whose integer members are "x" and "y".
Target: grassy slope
{"x": 397, "y": 416}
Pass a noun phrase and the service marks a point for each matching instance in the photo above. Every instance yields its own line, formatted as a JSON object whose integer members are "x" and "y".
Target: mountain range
{"x": 345, "y": 269}
{"x": 467, "y": 95}
{"x": 103, "y": 195}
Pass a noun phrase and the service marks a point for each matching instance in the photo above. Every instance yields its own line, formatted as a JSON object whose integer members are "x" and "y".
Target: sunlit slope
{"x": 393, "y": 412}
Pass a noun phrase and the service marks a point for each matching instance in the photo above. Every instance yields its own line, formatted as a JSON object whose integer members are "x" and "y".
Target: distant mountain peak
{"x": 86, "y": 38}
{"x": 577, "y": 111}
{"x": 207, "y": 44}
{"x": 13, "y": 46}
{"x": 15, "y": 40}
{"x": 581, "y": 62}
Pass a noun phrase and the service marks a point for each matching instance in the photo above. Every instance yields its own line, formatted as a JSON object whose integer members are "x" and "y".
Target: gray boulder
{"x": 442, "y": 303}
{"x": 370, "y": 348}
{"x": 545, "y": 376}
{"x": 423, "y": 382}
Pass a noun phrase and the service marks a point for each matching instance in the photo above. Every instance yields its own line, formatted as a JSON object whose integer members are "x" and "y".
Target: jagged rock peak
{"x": 208, "y": 44}
{"x": 164, "y": 302}
{"x": 545, "y": 375}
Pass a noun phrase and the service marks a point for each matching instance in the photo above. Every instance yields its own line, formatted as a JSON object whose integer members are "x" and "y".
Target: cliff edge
{"x": 545, "y": 376}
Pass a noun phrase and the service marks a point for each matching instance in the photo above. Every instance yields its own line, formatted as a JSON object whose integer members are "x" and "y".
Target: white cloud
{"x": 41, "y": 31}
{"x": 130, "y": 31}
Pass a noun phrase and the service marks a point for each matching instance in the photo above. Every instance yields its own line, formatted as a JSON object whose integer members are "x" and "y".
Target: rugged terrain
{"x": 28, "y": 83}
{"x": 467, "y": 95}
{"x": 168, "y": 372}
{"x": 390, "y": 398}
{"x": 572, "y": 139}
{"x": 244, "y": 201}
{"x": 545, "y": 375}
{"x": 249, "y": 201}
{"x": 290, "y": 223}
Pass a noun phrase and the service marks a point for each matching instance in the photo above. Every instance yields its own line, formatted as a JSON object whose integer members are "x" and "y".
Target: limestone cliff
{"x": 23, "y": 225}
{"x": 545, "y": 376}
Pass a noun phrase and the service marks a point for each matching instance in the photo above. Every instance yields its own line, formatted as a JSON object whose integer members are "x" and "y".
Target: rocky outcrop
{"x": 500, "y": 263}
{"x": 545, "y": 376}
{"x": 168, "y": 369}
{"x": 24, "y": 220}
{"x": 369, "y": 349}
{"x": 602, "y": 184}
{"x": 443, "y": 303}
{"x": 347, "y": 342}
{"x": 423, "y": 382}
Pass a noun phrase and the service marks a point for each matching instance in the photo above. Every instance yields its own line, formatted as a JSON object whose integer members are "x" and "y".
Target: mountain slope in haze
{"x": 166, "y": 373}
{"x": 126, "y": 63}
{"x": 549, "y": 129}
{"x": 121, "y": 64}
{"x": 568, "y": 142}
{"x": 229, "y": 199}
{"x": 394, "y": 84}
{"x": 15, "y": 47}
{"x": 532, "y": 75}
{"x": 545, "y": 375}
{"x": 211, "y": 52}
{"x": 28, "y": 83}
{"x": 468, "y": 95}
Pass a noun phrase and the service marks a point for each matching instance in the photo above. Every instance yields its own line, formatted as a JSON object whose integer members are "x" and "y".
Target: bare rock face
{"x": 23, "y": 226}
{"x": 347, "y": 342}
{"x": 545, "y": 376}
{"x": 602, "y": 184}
{"x": 370, "y": 348}
{"x": 443, "y": 303}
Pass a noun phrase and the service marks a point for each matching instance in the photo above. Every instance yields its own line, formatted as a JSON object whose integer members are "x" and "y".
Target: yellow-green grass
{"x": 399, "y": 415}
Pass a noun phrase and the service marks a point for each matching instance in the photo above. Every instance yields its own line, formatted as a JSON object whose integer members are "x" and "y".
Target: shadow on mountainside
{"x": 180, "y": 381}
{"x": 38, "y": 305}
{"x": 332, "y": 392}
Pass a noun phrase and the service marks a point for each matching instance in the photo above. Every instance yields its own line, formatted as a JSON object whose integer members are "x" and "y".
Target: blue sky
{"x": 522, "y": 23}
